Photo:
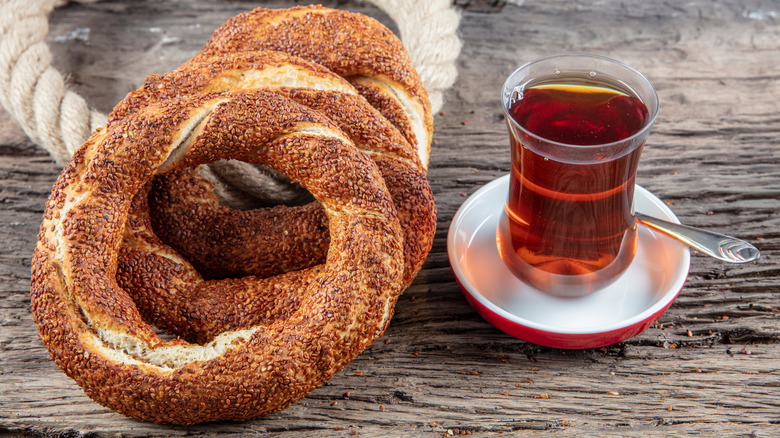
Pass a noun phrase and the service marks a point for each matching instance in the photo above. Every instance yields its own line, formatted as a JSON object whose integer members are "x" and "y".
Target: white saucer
{"x": 622, "y": 310}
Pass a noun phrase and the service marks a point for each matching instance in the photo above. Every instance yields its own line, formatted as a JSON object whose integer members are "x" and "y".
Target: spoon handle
{"x": 726, "y": 248}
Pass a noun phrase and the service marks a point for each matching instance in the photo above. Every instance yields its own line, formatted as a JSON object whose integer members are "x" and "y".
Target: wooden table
{"x": 710, "y": 367}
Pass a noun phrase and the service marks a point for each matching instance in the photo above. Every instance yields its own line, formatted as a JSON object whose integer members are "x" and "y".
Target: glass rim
{"x": 640, "y": 133}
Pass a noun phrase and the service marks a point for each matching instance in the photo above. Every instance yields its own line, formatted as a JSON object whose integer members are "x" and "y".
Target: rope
{"x": 428, "y": 30}
{"x": 59, "y": 120}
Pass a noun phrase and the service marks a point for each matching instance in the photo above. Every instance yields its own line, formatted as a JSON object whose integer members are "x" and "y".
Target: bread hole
{"x": 244, "y": 186}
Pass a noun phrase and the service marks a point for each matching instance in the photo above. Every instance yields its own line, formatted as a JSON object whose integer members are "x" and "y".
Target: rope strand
{"x": 59, "y": 120}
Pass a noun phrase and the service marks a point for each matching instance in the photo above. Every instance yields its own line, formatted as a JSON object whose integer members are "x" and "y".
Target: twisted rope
{"x": 59, "y": 120}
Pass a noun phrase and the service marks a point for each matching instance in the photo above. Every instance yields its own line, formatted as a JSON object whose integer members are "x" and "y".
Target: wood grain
{"x": 711, "y": 367}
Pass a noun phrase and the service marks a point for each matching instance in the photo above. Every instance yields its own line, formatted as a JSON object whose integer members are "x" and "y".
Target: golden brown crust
{"x": 101, "y": 274}
{"x": 353, "y": 46}
{"x": 221, "y": 242}
{"x": 314, "y": 33}
{"x": 251, "y": 245}
{"x": 92, "y": 328}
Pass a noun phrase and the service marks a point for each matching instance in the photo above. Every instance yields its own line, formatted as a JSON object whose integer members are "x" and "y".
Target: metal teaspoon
{"x": 726, "y": 248}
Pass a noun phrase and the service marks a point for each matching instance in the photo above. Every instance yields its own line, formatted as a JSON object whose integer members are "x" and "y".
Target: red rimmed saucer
{"x": 620, "y": 311}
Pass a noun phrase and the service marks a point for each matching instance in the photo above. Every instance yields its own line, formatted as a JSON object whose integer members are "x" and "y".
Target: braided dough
{"x": 92, "y": 327}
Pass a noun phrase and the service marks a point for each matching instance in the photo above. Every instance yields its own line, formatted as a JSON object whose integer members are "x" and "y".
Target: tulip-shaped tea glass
{"x": 577, "y": 125}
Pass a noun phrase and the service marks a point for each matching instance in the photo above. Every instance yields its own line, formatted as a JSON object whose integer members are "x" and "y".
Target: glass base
{"x": 571, "y": 277}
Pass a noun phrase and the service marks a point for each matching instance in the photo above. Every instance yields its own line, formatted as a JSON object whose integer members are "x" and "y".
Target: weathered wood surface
{"x": 712, "y": 366}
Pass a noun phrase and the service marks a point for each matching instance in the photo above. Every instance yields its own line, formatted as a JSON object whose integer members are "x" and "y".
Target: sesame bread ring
{"x": 354, "y": 46}
{"x": 222, "y": 242}
{"x": 93, "y": 329}
{"x": 244, "y": 306}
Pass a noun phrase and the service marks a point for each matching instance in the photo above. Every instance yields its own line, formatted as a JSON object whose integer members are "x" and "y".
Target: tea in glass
{"x": 577, "y": 126}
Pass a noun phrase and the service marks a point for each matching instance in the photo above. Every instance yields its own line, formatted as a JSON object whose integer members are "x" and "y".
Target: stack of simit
{"x": 134, "y": 236}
